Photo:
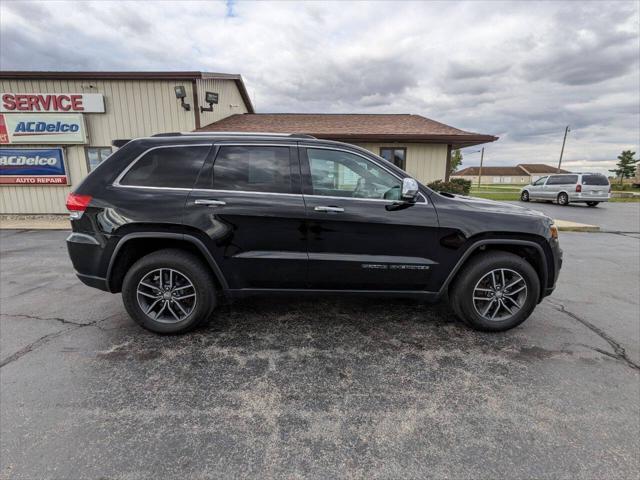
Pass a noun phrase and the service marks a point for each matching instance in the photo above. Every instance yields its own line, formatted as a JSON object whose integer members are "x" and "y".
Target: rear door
{"x": 355, "y": 242}
{"x": 595, "y": 185}
{"x": 248, "y": 202}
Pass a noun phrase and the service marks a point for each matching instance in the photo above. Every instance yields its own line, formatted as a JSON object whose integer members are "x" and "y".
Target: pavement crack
{"x": 34, "y": 317}
{"x": 46, "y": 338}
{"x": 619, "y": 353}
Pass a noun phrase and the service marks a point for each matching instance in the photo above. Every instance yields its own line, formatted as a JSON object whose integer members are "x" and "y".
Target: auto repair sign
{"x": 42, "y": 128}
{"x": 52, "y": 102}
{"x": 30, "y": 166}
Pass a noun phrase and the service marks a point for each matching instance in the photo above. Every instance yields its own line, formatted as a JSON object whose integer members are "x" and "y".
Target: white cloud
{"x": 520, "y": 70}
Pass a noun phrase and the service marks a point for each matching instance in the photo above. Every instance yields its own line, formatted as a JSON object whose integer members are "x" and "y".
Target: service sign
{"x": 52, "y": 102}
{"x": 42, "y": 128}
{"x": 30, "y": 166}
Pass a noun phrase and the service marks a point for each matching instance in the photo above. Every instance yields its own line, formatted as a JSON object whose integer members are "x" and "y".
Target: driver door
{"x": 354, "y": 242}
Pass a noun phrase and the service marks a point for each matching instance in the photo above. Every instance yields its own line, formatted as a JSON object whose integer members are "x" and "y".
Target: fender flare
{"x": 498, "y": 241}
{"x": 173, "y": 236}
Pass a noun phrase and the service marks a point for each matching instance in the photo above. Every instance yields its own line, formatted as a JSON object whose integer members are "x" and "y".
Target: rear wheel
{"x": 563, "y": 199}
{"x": 524, "y": 196}
{"x": 495, "y": 291}
{"x": 169, "y": 291}
{"x": 592, "y": 204}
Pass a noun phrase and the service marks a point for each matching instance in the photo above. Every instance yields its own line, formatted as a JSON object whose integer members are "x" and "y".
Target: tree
{"x": 456, "y": 160}
{"x": 626, "y": 165}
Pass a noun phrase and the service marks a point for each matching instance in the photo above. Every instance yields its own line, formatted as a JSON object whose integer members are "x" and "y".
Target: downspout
{"x": 196, "y": 104}
{"x": 448, "y": 166}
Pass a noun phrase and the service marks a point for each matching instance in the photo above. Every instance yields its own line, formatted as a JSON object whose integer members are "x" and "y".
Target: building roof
{"x": 352, "y": 127}
{"x": 112, "y": 75}
{"x": 538, "y": 168}
{"x": 522, "y": 169}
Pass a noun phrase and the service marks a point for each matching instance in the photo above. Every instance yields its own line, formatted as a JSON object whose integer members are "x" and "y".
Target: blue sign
{"x": 30, "y": 165}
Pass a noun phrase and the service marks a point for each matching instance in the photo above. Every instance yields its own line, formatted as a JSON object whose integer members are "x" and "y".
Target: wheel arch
{"x": 531, "y": 250}
{"x": 133, "y": 246}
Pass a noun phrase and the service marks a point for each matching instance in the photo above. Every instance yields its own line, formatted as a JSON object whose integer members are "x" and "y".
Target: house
{"x": 420, "y": 146}
{"x": 522, "y": 173}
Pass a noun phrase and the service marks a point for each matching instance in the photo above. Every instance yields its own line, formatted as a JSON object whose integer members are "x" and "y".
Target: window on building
{"x": 341, "y": 174}
{"x": 397, "y": 156}
{"x": 169, "y": 167}
{"x": 96, "y": 155}
{"x": 253, "y": 169}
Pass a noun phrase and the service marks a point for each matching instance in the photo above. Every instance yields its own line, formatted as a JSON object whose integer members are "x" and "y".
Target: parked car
{"x": 178, "y": 220}
{"x": 589, "y": 188}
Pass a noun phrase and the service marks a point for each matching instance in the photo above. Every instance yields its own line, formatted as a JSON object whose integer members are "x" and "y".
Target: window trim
{"x": 116, "y": 182}
{"x": 86, "y": 154}
{"x": 404, "y": 161}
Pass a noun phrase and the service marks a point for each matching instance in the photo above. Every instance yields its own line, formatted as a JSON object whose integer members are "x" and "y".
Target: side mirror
{"x": 409, "y": 190}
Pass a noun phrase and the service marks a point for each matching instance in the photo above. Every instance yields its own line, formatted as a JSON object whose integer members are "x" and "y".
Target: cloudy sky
{"x": 519, "y": 70}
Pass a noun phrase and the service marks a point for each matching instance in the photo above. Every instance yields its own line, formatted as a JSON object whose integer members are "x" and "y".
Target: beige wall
{"x": 491, "y": 179}
{"x": 133, "y": 108}
{"x": 425, "y": 162}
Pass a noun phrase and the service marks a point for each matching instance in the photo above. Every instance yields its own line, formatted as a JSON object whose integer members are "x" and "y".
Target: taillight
{"x": 578, "y": 188}
{"x": 77, "y": 204}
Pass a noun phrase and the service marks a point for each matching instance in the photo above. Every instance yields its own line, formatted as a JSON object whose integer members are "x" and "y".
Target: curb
{"x": 566, "y": 226}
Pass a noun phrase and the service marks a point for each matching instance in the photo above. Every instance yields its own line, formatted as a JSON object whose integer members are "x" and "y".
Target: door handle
{"x": 210, "y": 203}
{"x": 329, "y": 209}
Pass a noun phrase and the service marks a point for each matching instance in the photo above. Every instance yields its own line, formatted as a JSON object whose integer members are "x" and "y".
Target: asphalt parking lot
{"x": 322, "y": 388}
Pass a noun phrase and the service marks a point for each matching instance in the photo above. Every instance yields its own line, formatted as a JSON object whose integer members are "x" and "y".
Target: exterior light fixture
{"x": 181, "y": 94}
{"x": 210, "y": 98}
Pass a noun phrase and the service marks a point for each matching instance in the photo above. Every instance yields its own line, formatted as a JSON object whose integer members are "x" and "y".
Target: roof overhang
{"x": 456, "y": 141}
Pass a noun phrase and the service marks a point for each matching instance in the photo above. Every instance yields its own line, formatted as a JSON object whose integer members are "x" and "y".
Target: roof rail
{"x": 233, "y": 134}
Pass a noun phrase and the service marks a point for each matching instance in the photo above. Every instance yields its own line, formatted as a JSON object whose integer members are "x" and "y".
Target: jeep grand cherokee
{"x": 176, "y": 221}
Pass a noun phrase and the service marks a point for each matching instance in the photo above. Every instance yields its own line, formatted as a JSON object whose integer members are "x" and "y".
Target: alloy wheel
{"x": 166, "y": 295}
{"x": 499, "y": 294}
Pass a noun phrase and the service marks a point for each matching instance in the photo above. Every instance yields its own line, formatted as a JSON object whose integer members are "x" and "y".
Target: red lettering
{"x": 8, "y": 101}
{"x": 45, "y": 101}
{"x": 32, "y": 101}
{"x": 22, "y": 102}
{"x": 61, "y": 106}
{"x": 76, "y": 103}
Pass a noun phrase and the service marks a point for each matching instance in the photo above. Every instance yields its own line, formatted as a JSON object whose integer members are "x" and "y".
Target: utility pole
{"x": 480, "y": 172}
{"x": 566, "y": 130}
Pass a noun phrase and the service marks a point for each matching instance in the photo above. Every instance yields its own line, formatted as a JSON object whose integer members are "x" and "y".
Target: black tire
{"x": 185, "y": 264}
{"x": 592, "y": 204}
{"x": 563, "y": 199}
{"x": 462, "y": 291}
{"x": 524, "y": 196}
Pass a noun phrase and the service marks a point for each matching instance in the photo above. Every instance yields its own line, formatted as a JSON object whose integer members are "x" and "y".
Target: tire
{"x": 563, "y": 199}
{"x": 180, "y": 269}
{"x": 524, "y": 196}
{"x": 592, "y": 204}
{"x": 474, "y": 275}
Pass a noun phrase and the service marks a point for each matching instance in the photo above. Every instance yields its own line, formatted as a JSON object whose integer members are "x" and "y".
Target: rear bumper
{"x": 96, "y": 282}
{"x": 587, "y": 197}
{"x": 87, "y": 256}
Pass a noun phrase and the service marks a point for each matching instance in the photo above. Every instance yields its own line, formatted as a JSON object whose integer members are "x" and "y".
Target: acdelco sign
{"x": 43, "y": 128}
{"x": 52, "y": 102}
{"x": 25, "y": 166}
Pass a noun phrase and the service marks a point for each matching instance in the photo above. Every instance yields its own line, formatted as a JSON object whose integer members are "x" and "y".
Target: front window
{"x": 96, "y": 155}
{"x": 540, "y": 181}
{"x": 341, "y": 174}
{"x": 395, "y": 155}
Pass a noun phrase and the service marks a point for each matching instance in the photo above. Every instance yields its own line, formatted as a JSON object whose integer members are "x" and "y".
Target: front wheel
{"x": 524, "y": 196}
{"x": 592, "y": 204}
{"x": 563, "y": 199}
{"x": 169, "y": 291}
{"x": 495, "y": 291}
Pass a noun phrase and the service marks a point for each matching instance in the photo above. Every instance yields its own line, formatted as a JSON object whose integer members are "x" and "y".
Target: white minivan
{"x": 589, "y": 188}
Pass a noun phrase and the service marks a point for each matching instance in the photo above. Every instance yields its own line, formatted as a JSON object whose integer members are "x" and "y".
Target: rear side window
{"x": 563, "y": 180}
{"x": 595, "y": 180}
{"x": 169, "y": 167}
{"x": 253, "y": 169}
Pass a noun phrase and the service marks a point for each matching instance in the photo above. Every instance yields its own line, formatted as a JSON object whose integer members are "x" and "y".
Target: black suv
{"x": 174, "y": 220}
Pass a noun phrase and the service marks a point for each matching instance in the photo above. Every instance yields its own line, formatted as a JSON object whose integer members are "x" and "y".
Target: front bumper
{"x": 556, "y": 255}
